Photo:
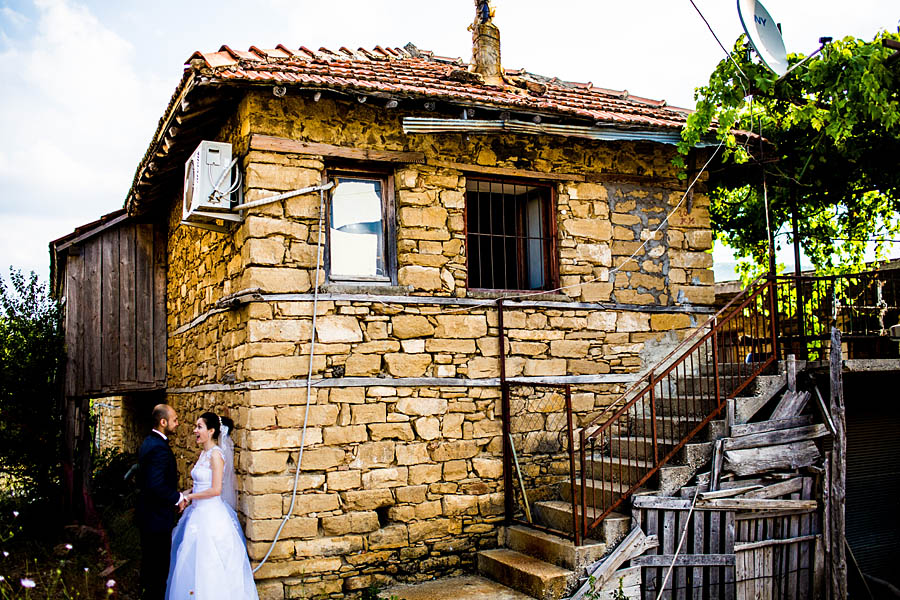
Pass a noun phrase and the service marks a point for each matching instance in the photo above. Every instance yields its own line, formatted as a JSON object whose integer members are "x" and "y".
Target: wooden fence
{"x": 729, "y": 553}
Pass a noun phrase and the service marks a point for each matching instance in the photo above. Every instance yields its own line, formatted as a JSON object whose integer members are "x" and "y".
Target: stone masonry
{"x": 401, "y": 474}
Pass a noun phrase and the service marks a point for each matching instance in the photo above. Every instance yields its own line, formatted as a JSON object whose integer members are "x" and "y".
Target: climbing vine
{"x": 829, "y": 148}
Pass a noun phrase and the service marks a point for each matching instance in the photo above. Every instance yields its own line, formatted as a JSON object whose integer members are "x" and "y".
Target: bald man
{"x": 158, "y": 502}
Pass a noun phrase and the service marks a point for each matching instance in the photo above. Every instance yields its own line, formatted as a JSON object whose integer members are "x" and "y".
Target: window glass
{"x": 356, "y": 229}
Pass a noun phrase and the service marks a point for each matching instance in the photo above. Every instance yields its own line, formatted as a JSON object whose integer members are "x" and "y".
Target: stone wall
{"x": 118, "y": 424}
{"x": 401, "y": 475}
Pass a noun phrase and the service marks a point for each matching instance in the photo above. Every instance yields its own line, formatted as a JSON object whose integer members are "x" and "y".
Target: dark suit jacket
{"x": 157, "y": 500}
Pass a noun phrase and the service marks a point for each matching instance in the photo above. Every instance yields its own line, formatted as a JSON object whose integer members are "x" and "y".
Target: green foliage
{"x": 31, "y": 358}
{"x": 833, "y": 132}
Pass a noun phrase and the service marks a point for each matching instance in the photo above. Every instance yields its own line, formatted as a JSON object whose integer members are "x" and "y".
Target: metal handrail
{"x": 660, "y": 375}
{"x": 775, "y": 319}
{"x": 676, "y": 351}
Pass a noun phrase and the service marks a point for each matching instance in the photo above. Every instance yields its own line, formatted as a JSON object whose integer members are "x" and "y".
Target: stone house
{"x": 457, "y": 185}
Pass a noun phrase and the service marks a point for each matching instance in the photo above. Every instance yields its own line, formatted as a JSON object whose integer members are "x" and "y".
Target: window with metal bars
{"x": 509, "y": 236}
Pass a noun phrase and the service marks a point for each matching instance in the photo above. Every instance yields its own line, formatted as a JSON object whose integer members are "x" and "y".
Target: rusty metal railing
{"x": 862, "y": 305}
{"x": 625, "y": 446}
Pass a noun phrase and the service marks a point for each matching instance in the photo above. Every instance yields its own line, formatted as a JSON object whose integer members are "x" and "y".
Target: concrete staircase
{"x": 547, "y": 566}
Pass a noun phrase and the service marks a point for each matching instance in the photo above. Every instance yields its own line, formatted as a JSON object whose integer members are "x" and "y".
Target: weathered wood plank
{"x": 776, "y": 542}
{"x": 764, "y": 426}
{"x": 109, "y": 339}
{"x": 773, "y": 514}
{"x": 714, "y": 535}
{"x": 144, "y": 302}
{"x": 92, "y": 297}
{"x": 93, "y": 232}
{"x": 683, "y": 560}
{"x": 667, "y": 547}
{"x": 506, "y": 171}
{"x": 728, "y": 548}
{"x": 751, "y": 461}
{"x": 782, "y": 488}
{"x": 697, "y": 573}
{"x": 127, "y": 290}
{"x": 603, "y": 572}
{"x": 757, "y": 504}
{"x": 679, "y": 574}
{"x": 717, "y": 464}
{"x": 838, "y": 471}
{"x": 74, "y": 327}
{"x": 791, "y": 405}
{"x": 727, "y": 493}
{"x": 774, "y": 438}
{"x": 268, "y": 143}
{"x": 806, "y": 528}
{"x": 660, "y": 503}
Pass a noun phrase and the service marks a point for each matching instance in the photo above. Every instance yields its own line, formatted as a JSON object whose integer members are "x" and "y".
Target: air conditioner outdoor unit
{"x": 210, "y": 184}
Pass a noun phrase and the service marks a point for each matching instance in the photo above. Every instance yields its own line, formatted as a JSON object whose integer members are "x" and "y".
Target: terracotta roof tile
{"x": 412, "y": 72}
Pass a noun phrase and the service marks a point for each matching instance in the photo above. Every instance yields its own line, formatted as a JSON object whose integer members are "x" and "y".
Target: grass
{"x": 42, "y": 558}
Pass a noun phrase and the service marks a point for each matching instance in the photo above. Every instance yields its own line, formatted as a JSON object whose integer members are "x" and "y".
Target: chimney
{"x": 486, "y": 45}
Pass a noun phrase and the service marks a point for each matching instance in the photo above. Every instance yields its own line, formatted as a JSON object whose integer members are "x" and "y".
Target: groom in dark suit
{"x": 158, "y": 502}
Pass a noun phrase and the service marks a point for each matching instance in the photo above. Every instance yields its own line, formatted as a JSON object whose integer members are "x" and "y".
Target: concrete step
{"x": 525, "y": 573}
{"x": 639, "y": 447}
{"x": 698, "y": 385}
{"x": 631, "y": 471}
{"x": 454, "y": 588}
{"x": 600, "y": 493}
{"x": 553, "y": 549}
{"x": 666, "y": 426}
{"x": 558, "y": 515}
{"x": 681, "y": 406}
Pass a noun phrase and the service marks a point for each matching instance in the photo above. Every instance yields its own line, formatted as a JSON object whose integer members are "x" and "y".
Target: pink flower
{"x": 68, "y": 546}
{"x": 27, "y": 583}
{"x": 111, "y": 583}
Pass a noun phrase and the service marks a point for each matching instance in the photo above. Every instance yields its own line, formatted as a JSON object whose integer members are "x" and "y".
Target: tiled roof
{"x": 409, "y": 72}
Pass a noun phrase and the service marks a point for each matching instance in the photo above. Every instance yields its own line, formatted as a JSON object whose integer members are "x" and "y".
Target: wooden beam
{"x": 751, "y": 461}
{"x": 268, "y": 143}
{"x": 774, "y": 438}
{"x": 729, "y": 492}
{"x": 838, "y": 471}
{"x": 89, "y": 234}
{"x": 505, "y": 171}
{"x": 756, "y": 504}
{"x": 782, "y": 488}
{"x": 764, "y": 426}
{"x": 683, "y": 560}
{"x": 781, "y": 542}
{"x": 633, "y": 544}
{"x": 791, "y": 404}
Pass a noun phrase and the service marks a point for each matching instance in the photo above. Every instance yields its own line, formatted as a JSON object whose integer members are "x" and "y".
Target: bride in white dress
{"x": 209, "y": 555}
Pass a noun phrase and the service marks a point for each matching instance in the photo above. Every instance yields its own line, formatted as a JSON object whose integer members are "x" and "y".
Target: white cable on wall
{"x": 312, "y": 354}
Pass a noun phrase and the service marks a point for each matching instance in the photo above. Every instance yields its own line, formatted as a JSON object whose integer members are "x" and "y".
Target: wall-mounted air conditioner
{"x": 211, "y": 184}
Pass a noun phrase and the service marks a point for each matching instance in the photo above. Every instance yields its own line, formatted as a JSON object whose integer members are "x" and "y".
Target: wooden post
{"x": 838, "y": 570}
{"x": 791, "y": 372}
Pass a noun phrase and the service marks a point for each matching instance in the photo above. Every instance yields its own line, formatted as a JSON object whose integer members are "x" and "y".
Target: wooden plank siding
{"x": 730, "y": 553}
{"x": 115, "y": 306}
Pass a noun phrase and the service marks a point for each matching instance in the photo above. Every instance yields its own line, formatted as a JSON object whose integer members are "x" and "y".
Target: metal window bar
{"x": 502, "y": 232}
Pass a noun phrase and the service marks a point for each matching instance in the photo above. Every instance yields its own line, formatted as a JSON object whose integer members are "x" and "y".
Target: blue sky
{"x": 84, "y": 83}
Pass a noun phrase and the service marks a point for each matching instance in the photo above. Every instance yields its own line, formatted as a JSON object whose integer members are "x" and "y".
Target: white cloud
{"x": 16, "y": 19}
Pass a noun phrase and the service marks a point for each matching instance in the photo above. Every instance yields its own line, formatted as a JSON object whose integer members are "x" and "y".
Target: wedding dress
{"x": 209, "y": 556}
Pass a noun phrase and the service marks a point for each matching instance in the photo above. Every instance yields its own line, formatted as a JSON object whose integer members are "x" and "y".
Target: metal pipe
{"x": 285, "y": 196}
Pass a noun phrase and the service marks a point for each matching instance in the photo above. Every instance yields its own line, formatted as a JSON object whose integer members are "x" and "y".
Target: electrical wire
{"x": 312, "y": 354}
{"x": 721, "y": 45}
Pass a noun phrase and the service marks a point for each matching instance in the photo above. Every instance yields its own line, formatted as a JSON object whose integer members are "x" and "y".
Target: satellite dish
{"x": 764, "y": 35}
